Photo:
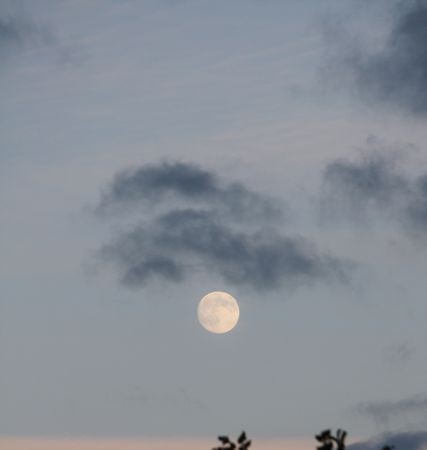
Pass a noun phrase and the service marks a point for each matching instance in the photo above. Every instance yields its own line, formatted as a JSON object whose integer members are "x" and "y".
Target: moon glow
{"x": 218, "y": 312}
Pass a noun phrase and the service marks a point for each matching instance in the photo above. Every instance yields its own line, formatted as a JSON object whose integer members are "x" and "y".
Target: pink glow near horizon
{"x": 144, "y": 444}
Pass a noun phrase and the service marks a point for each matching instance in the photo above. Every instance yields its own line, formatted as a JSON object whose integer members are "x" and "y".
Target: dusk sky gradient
{"x": 153, "y": 151}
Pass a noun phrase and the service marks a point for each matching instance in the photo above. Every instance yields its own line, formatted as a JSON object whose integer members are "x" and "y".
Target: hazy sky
{"x": 155, "y": 150}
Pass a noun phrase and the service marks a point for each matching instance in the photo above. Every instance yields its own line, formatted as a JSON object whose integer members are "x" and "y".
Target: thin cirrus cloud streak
{"x": 375, "y": 183}
{"x": 396, "y": 73}
{"x": 192, "y": 219}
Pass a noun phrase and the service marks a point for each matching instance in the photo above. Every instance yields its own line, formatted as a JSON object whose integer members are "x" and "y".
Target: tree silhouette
{"x": 328, "y": 440}
{"x": 243, "y": 443}
{"x": 325, "y": 437}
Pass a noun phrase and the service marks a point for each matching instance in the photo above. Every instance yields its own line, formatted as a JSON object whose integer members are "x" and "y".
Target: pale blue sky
{"x": 235, "y": 87}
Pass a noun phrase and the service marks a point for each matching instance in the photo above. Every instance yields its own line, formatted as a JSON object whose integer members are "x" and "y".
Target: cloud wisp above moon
{"x": 192, "y": 219}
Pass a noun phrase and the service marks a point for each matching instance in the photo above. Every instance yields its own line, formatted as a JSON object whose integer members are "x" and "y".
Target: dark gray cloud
{"x": 396, "y": 73}
{"x": 225, "y": 229}
{"x": 152, "y": 182}
{"x": 401, "y": 441}
{"x": 375, "y": 182}
{"x": 263, "y": 259}
{"x": 383, "y": 411}
{"x": 156, "y": 184}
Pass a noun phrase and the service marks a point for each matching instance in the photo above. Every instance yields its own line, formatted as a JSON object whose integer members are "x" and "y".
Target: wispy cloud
{"x": 383, "y": 411}
{"x": 396, "y": 73}
{"x": 401, "y": 441}
{"x": 224, "y": 228}
{"x": 375, "y": 182}
{"x": 400, "y": 353}
{"x": 151, "y": 184}
{"x": 9, "y": 31}
{"x": 18, "y": 31}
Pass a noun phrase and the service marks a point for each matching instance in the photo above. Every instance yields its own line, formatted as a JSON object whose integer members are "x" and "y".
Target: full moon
{"x": 218, "y": 312}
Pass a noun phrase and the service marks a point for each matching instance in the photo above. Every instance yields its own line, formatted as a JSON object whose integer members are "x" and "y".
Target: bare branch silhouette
{"x": 243, "y": 443}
